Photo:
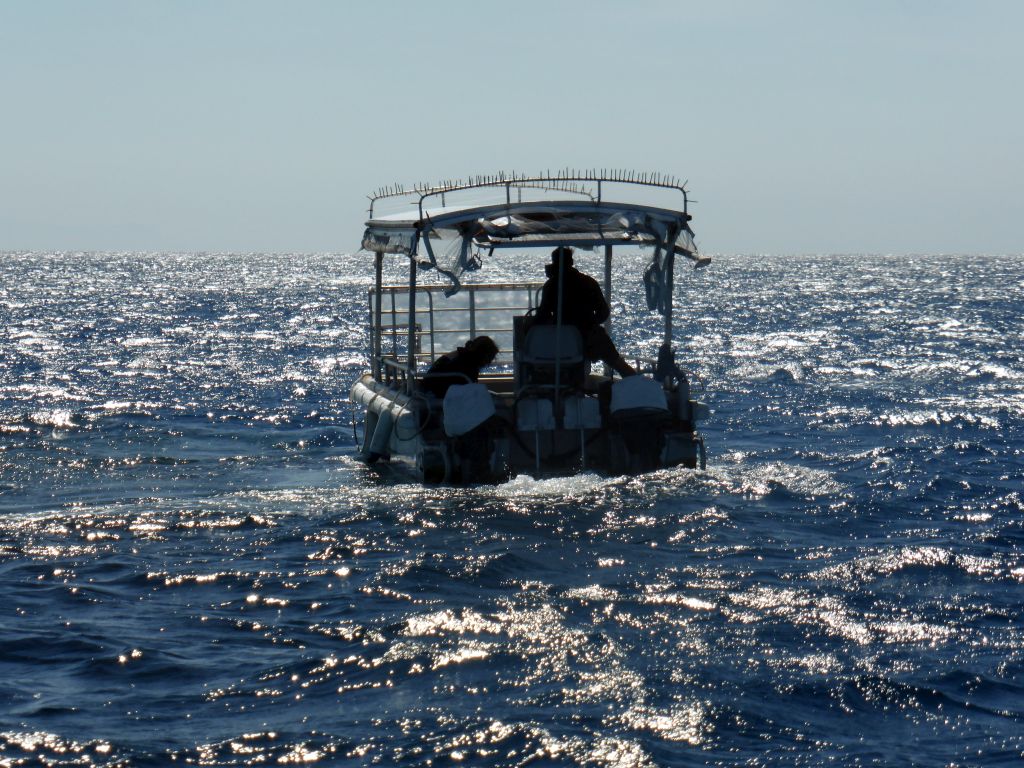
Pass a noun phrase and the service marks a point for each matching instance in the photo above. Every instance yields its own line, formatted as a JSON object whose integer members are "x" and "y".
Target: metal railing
{"x": 441, "y": 324}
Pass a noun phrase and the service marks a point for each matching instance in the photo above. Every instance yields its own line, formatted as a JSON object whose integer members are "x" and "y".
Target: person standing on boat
{"x": 583, "y": 305}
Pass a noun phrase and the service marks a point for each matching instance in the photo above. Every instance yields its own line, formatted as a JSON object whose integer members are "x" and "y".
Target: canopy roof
{"x": 580, "y": 215}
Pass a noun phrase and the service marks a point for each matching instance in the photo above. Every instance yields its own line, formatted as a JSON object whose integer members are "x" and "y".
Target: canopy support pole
{"x": 558, "y": 342}
{"x": 378, "y": 266}
{"x": 410, "y": 381}
{"x": 608, "y": 295}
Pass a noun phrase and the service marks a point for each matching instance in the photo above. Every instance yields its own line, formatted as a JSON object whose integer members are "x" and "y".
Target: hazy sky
{"x": 803, "y": 127}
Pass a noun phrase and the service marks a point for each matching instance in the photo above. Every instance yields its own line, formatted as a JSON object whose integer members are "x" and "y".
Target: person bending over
{"x": 584, "y": 306}
{"x": 456, "y": 367}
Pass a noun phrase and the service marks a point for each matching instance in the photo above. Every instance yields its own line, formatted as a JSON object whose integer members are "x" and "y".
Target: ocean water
{"x": 195, "y": 571}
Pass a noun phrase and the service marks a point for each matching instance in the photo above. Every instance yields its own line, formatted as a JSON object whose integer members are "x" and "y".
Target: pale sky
{"x": 811, "y": 126}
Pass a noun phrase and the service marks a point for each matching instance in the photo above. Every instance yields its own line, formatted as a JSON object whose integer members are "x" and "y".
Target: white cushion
{"x": 466, "y": 407}
{"x": 638, "y": 392}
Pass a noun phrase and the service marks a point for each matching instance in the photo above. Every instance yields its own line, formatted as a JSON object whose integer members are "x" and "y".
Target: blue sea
{"x": 194, "y": 569}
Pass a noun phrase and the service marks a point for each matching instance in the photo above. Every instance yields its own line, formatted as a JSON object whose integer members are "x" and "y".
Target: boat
{"x": 540, "y": 409}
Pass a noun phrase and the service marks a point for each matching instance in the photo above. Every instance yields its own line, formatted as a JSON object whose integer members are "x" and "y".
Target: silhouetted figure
{"x": 465, "y": 363}
{"x": 584, "y": 306}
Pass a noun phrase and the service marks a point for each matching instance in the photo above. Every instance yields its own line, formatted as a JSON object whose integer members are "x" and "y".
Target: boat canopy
{"x": 455, "y": 238}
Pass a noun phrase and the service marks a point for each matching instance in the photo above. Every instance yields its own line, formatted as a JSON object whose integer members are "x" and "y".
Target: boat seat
{"x": 547, "y": 347}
